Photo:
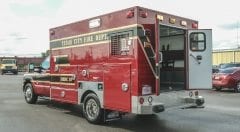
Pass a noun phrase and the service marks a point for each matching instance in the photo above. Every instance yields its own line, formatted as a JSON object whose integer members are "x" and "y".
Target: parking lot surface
{"x": 221, "y": 114}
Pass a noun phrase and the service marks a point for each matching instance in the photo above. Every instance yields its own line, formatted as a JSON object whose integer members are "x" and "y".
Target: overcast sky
{"x": 24, "y": 24}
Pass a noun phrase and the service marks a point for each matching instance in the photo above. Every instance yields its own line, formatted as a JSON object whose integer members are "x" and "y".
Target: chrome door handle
{"x": 195, "y": 58}
{"x": 161, "y": 57}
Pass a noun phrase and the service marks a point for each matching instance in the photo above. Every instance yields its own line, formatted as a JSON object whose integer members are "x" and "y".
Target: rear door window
{"x": 197, "y": 41}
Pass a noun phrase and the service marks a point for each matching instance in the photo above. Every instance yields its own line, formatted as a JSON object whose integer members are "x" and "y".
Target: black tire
{"x": 237, "y": 88}
{"x": 29, "y": 95}
{"x": 90, "y": 103}
{"x": 218, "y": 88}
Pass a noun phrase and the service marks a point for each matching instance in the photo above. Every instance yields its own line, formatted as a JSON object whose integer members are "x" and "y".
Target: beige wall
{"x": 225, "y": 57}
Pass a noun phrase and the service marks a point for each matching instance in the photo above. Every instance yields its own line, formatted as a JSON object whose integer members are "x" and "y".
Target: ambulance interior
{"x": 172, "y": 68}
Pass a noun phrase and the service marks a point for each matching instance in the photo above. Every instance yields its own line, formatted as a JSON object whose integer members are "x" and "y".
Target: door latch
{"x": 197, "y": 59}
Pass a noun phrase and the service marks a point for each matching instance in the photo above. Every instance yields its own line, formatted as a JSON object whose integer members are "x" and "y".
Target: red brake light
{"x": 143, "y": 14}
{"x": 141, "y": 100}
{"x": 194, "y": 25}
{"x": 52, "y": 32}
{"x": 130, "y": 14}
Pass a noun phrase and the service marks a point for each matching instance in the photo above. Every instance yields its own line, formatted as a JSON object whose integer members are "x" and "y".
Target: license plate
{"x": 216, "y": 77}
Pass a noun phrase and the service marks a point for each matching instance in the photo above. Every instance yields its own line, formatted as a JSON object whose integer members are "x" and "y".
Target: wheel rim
{"x": 92, "y": 109}
{"x": 28, "y": 93}
{"x": 238, "y": 87}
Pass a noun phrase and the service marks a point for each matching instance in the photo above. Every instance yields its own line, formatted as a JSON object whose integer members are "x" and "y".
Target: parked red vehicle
{"x": 227, "y": 78}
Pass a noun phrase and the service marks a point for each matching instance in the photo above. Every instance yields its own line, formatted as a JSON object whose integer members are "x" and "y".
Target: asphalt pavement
{"x": 221, "y": 114}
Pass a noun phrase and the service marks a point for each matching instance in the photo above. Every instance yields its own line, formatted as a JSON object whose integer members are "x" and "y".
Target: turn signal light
{"x": 160, "y": 17}
{"x": 172, "y": 20}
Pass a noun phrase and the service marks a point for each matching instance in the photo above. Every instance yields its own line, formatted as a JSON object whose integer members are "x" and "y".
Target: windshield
{"x": 222, "y": 66}
{"x": 228, "y": 70}
{"x": 8, "y": 61}
{"x": 45, "y": 64}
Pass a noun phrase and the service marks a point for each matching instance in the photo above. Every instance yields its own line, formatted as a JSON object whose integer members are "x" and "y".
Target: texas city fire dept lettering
{"x": 90, "y": 39}
{"x": 84, "y": 39}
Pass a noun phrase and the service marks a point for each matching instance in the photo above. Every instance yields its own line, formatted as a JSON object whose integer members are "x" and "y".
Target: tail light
{"x": 225, "y": 78}
{"x": 213, "y": 77}
{"x": 141, "y": 100}
{"x": 143, "y": 14}
{"x": 194, "y": 25}
{"x": 221, "y": 77}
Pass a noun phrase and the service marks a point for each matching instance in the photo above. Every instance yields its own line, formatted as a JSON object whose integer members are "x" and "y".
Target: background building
{"x": 226, "y": 56}
{"x": 23, "y": 62}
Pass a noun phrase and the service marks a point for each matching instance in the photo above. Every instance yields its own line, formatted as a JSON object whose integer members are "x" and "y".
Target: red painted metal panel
{"x": 41, "y": 87}
{"x": 114, "y": 97}
{"x": 145, "y": 75}
{"x": 64, "y": 91}
{"x": 37, "y": 88}
{"x": 68, "y": 95}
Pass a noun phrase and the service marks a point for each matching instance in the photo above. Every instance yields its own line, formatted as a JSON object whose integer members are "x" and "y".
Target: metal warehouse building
{"x": 226, "y": 56}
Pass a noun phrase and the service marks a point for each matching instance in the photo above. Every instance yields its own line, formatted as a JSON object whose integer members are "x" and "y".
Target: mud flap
{"x": 112, "y": 115}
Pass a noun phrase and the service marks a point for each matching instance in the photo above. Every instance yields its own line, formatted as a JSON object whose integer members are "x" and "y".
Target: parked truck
{"x": 136, "y": 60}
{"x": 9, "y": 66}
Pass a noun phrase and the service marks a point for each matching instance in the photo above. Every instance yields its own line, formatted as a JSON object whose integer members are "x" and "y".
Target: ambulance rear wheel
{"x": 92, "y": 109}
{"x": 30, "y": 96}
